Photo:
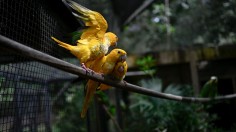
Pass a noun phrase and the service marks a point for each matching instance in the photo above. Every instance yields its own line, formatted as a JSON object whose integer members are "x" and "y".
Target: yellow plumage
{"x": 105, "y": 66}
{"x": 94, "y": 41}
{"x": 83, "y": 52}
{"x": 97, "y": 25}
{"x": 118, "y": 73}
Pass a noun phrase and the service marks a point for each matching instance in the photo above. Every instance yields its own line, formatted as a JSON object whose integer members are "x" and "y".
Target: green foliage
{"x": 68, "y": 118}
{"x": 6, "y": 90}
{"x": 6, "y": 94}
{"x": 151, "y": 114}
{"x": 209, "y": 22}
{"x": 205, "y": 22}
{"x": 146, "y": 63}
{"x": 147, "y": 32}
{"x": 106, "y": 101}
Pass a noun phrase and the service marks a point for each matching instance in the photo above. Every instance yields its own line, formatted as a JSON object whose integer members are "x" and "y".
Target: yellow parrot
{"x": 96, "y": 23}
{"x": 105, "y": 66}
{"x": 91, "y": 51}
{"x": 94, "y": 41}
{"x": 118, "y": 73}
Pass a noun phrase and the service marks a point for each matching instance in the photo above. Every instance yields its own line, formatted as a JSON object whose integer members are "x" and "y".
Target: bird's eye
{"x": 118, "y": 52}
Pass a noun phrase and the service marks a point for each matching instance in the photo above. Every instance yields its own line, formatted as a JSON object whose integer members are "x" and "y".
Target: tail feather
{"x": 78, "y": 10}
{"x": 81, "y": 9}
{"x": 62, "y": 44}
{"x": 104, "y": 87}
{"x": 91, "y": 88}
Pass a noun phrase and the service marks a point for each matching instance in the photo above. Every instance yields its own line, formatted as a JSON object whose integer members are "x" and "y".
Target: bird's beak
{"x": 123, "y": 58}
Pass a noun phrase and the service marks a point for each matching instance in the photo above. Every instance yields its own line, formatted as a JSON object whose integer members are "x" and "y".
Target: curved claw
{"x": 124, "y": 82}
{"x": 86, "y": 69}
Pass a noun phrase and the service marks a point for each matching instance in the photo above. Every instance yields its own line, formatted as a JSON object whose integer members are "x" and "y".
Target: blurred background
{"x": 173, "y": 47}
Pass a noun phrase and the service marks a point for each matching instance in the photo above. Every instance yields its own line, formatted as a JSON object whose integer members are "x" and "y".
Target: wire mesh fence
{"x": 27, "y": 87}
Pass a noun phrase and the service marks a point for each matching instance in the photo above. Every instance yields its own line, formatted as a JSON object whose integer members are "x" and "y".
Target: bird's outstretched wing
{"x": 94, "y": 21}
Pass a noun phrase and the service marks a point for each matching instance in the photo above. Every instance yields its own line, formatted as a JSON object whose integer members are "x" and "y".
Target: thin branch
{"x": 110, "y": 115}
{"x": 139, "y": 73}
{"x": 137, "y": 11}
{"x": 112, "y": 118}
{"x": 65, "y": 66}
{"x": 63, "y": 89}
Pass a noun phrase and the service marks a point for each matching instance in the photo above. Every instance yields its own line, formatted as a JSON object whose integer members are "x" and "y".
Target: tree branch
{"x": 137, "y": 11}
{"x": 23, "y": 50}
{"x": 63, "y": 89}
{"x": 112, "y": 118}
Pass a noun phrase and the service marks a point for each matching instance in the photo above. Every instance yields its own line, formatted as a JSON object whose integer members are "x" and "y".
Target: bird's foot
{"x": 86, "y": 69}
{"x": 124, "y": 82}
{"x": 101, "y": 74}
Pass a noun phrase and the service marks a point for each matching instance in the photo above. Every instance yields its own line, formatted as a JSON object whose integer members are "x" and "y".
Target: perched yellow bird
{"x": 105, "y": 66}
{"x": 96, "y": 23}
{"x": 94, "y": 41}
{"x": 118, "y": 74}
{"x": 88, "y": 52}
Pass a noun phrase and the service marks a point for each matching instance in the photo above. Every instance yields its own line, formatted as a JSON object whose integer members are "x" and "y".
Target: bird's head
{"x": 214, "y": 79}
{"x": 118, "y": 54}
{"x": 112, "y": 38}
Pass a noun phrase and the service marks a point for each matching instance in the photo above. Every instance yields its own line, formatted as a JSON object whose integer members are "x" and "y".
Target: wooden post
{"x": 234, "y": 86}
{"x": 234, "y": 83}
{"x": 194, "y": 72}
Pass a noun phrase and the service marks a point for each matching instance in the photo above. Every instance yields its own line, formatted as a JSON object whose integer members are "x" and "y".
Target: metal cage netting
{"x": 25, "y": 97}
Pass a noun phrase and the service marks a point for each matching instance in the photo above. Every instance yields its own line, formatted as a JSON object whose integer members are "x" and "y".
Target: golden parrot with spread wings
{"x": 88, "y": 52}
{"x": 105, "y": 66}
{"x": 94, "y": 41}
{"x": 96, "y": 23}
{"x": 118, "y": 74}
